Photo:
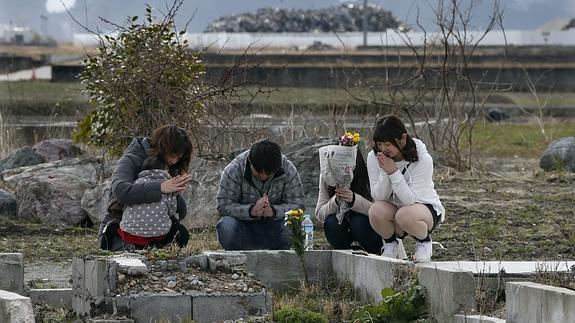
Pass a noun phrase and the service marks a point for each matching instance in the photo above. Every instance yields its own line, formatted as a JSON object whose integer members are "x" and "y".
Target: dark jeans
{"x": 110, "y": 240}
{"x": 355, "y": 227}
{"x": 234, "y": 234}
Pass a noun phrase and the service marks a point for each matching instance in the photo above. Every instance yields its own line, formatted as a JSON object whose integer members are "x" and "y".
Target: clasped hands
{"x": 176, "y": 184}
{"x": 344, "y": 194}
{"x": 262, "y": 208}
{"x": 386, "y": 163}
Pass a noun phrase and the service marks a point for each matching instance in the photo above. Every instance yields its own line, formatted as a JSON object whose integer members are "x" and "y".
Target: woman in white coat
{"x": 401, "y": 178}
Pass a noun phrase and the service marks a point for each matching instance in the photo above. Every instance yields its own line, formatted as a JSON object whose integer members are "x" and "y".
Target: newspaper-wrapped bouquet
{"x": 337, "y": 163}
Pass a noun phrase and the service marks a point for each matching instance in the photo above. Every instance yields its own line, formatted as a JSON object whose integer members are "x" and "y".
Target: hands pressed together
{"x": 344, "y": 194}
{"x": 386, "y": 163}
{"x": 262, "y": 208}
{"x": 176, "y": 184}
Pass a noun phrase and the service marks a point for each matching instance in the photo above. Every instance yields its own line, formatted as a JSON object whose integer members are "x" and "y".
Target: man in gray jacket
{"x": 256, "y": 189}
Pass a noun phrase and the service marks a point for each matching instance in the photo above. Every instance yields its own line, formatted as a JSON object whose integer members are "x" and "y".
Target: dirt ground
{"x": 507, "y": 210}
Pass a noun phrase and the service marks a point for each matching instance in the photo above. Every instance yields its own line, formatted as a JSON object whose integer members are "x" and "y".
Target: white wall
{"x": 352, "y": 40}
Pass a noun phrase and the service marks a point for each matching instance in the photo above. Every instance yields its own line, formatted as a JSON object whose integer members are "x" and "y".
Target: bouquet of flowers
{"x": 337, "y": 163}
{"x": 349, "y": 139}
{"x": 293, "y": 220}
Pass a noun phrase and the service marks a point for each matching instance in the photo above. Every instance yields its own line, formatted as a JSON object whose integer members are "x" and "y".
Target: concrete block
{"x": 92, "y": 279}
{"x": 130, "y": 265}
{"x": 56, "y": 298}
{"x": 368, "y": 274}
{"x": 12, "y": 273}
{"x": 162, "y": 308}
{"x": 80, "y": 301}
{"x": 15, "y": 308}
{"x": 460, "y": 318}
{"x": 533, "y": 303}
{"x": 217, "y": 308}
{"x": 282, "y": 269}
{"x": 448, "y": 291}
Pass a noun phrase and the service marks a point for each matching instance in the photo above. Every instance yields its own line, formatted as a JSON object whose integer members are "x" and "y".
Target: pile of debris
{"x": 341, "y": 18}
{"x": 570, "y": 25}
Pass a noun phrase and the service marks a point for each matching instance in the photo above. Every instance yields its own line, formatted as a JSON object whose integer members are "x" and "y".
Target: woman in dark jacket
{"x": 173, "y": 146}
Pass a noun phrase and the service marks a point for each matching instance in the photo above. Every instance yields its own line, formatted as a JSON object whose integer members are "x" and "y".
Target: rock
{"x": 202, "y": 192}
{"x": 559, "y": 155}
{"x": 304, "y": 155}
{"x": 318, "y": 46}
{"x": 57, "y": 149}
{"x": 225, "y": 261}
{"x": 86, "y": 169}
{"x": 21, "y": 157}
{"x": 496, "y": 115}
{"x": 95, "y": 200}
{"x": 235, "y": 276}
{"x": 199, "y": 261}
{"x": 52, "y": 194}
{"x": 8, "y": 204}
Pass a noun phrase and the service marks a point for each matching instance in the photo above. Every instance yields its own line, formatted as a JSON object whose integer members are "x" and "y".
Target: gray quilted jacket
{"x": 237, "y": 193}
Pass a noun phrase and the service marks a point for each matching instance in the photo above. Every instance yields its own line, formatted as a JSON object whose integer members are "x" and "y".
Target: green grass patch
{"x": 42, "y": 98}
{"x": 513, "y": 139}
{"x": 559, "y": 99}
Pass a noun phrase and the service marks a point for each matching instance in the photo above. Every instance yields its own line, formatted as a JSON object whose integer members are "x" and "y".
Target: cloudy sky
{"x": 519, "y": 14}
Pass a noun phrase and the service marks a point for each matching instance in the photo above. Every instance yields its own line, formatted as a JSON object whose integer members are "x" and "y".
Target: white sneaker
{"x": 423, "y": 251}
{"x": 394, "y": 250}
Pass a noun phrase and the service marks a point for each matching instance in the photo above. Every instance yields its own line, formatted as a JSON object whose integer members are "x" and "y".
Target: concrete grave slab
{"x": 368, "y": 274}
{"x": 528, "y": 302}
{"x": 12, "y": 271}
{"x": 56, "y": 298}
{"x": 217, "y": 308}
{"x": 281, "y": 269}
{"x": 15, "y": 308}
{"x": 449, "y": 291}
{"x": 493, "y": 268}
{"x": 161, "y": 308}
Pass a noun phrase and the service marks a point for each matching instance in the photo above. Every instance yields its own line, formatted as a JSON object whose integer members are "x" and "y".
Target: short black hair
{"x": 265, "y": 156}
{"x": 153, "y": 163}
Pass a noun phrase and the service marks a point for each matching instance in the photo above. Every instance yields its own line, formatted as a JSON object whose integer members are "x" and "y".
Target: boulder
{"x": 202, "y": 192}
{"x": 495, "y": 115}
{"x": 87, "y": 169}
{"x": 8, "y": 205}
{"x": 24, "y": 156}
{"x": 52, "y": 192}
{"x": 559, "y": 155}
{"x": 58, "y": 149}
{"x": 95, "y": 200}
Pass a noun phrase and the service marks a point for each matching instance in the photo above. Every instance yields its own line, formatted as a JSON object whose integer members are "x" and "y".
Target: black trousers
{"x": 110, "y": 240}
{"x": 355, "y": 227}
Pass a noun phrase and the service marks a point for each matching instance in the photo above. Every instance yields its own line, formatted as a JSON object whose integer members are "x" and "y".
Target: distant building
{"x": 17, "y": 35}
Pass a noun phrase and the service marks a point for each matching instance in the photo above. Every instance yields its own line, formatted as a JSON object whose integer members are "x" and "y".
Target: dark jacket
{"x": 237, "y": 193}
{"x": 125, "y": 174}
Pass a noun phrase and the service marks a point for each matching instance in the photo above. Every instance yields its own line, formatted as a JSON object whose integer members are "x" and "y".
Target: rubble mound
{"x": 342, "y": 18}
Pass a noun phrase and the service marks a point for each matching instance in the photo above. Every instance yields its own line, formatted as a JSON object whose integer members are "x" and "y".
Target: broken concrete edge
{"x": 527, "y": 300}
{"x": 15, "y": 308}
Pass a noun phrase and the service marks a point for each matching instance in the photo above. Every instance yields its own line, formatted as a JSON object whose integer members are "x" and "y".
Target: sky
{"x": 51, "y": 17}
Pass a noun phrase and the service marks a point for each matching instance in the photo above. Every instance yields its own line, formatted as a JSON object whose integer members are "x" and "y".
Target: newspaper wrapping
{"x": 336, "y": 167}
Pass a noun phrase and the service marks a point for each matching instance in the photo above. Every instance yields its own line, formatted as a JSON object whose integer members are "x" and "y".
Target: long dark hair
{"x": 170, "y": 139}
{"x": 360, "y": 182}
{"x": 390, "y": 129}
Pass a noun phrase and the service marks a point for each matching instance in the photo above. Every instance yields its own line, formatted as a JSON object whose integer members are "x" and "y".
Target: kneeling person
{"x": 256, "y": 189}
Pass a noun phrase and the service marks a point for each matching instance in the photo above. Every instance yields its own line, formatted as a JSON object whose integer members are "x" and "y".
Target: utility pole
{"x": 364, "y": 23}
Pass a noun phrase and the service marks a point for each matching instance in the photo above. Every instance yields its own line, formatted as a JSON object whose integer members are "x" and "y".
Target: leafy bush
{"x": 297, "y": 315}
{"x": 142, "y": 77}
{"x": 395, "y": 307}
